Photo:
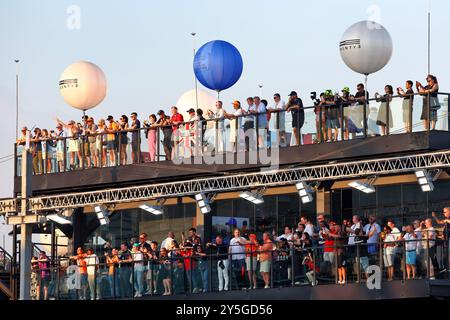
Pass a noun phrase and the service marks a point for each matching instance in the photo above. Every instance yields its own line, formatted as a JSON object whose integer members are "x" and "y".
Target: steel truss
{"x": 235, "y": 182}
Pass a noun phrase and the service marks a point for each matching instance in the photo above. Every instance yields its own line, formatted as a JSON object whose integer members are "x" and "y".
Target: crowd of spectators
{"x": 109, "y": 142}
{"x": 327, "y": 251}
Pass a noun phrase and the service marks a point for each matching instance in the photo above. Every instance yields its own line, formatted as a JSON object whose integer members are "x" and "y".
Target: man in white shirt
{"x": 138, "y": 269}
{"x": 277, "y": 119}
{"x": 354, "y": 229}
{"x": 262, "y": 121}
{"x": 91, "y": 266}
{"x": 168, "y": 241}
{"x": 309, "y": 227}
{"x": 287, "y": 234}
{"x": 235, "y": 125}
{"x": 237, "y": 252}
{"x": 220, "y": 114}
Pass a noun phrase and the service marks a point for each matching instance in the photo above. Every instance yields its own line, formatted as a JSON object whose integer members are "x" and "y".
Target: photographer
{"x": 319, "y": 110}
{"x": 332, "y": 114}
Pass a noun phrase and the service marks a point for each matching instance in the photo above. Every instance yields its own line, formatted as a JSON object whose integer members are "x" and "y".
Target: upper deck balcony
{"x": 206, "y": 148}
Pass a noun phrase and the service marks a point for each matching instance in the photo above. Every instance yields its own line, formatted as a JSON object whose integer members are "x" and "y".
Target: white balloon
{"x": 187, "y": 100}
{"x": 366, "y": 47}
{"x": 83, "y": 85}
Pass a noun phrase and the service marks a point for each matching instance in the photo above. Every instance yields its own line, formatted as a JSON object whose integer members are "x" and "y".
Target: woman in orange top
{"x": 251, "y": 261}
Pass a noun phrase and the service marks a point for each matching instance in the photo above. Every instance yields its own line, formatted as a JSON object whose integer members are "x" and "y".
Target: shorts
{"x": 364, "y": 263}
{"x": 388, "y": 259}
{"x": 45, "y": 281}
{"x": 87, "y": 150}
{"x": 297, "y": 121}
{"x": 251, "y": 263}
{"x": 341, "y": 261}
{"x": 93, "y": 148}
{"x": 411, "y": 257}
{"x": 110, "y": 145}
{"x": 60, "y": 156}
{"x": 264, "y": 266}
{"x": 333, "y": 123}
{"x": 74, "y": 145}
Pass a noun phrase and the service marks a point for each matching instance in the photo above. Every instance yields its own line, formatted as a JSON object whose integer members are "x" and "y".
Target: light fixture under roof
{"x": 254, "y": 197}
{"x": 156, "y": 210}
{"x": 304, "y": 191}
{"x": 203, "y": 203}
{"x": 102, "y": 214}
{"x": 362, "y": 186}
{"x": 425, "y": 180}
{"x": 58, "y": 219}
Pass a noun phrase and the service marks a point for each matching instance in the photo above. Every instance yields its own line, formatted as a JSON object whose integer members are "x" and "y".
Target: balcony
{"x": 207, "y": 148}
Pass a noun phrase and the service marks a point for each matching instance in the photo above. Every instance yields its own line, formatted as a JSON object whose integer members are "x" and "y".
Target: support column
{"x": 25, "y": 229}
{"x": 200, "y": 222}
{"x": 323, "y": 202}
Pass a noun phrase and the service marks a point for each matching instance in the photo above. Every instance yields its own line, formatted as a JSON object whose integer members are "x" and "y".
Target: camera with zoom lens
{"x": 314, "y": 98}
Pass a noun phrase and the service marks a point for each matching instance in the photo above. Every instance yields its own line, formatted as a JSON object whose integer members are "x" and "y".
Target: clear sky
{"x": 145, "y": 49}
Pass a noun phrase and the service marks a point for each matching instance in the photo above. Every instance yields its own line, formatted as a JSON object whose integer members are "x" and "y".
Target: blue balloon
{"x": 218, "y": 65}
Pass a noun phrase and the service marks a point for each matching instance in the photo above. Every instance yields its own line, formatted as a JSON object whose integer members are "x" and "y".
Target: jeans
{"x": 83, "y": 286}
{"x": 139, "y": 280}
{"x": 114, "y": 285}
{"x": 94, "y": 286}
{"x": 204, "y": 273}
{"x": 223, "y": 275}
{"x": 125, "y": 284}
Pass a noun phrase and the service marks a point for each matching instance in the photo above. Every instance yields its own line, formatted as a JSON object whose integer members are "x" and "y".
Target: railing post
{"x": 298, "y": 128}
{"x": 210, "y": 272}
{"x": 321, "y": 137}
{"x": 428, "y": 255}
{"x": 158, "y": 142}
{"x": 15, "y": 159}
{"x": 191, "y": 269}
{"x": 257, "y": 130}
{"x": 138, "y": 151}
{"x": 365, "y": 114}
{"x": 380, "y": 262}
{"x": 271, "y": 269}
{"x": 216, "y": 136}
{"x": 314, "y": 265}
{"x": 336, "y": 267}
{"x": 404, "y": 259}
{"x": 358, "y": 263}
{"x": 387, "y": 114}
{"x": 342, "y": 118}
{"x": 410, "y": 113}
{"x": 57, "y": 279}
{"x": 292, "y": 266}
{"x": 65, "y": 154}
{"x": 428, "y": 113}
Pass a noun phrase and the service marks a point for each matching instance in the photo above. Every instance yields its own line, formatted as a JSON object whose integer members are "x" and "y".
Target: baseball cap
{"x": 329, "y": 92}
{"x": 135, "y": 244}
{"x": 293, "y": 93}
{"x": 110, "y": 118}
{"x": 190, "y": 110}
{"x": 160, "y": 112}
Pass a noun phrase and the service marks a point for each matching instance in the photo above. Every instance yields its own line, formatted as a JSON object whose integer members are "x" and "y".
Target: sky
{"x": 145, "y": 49}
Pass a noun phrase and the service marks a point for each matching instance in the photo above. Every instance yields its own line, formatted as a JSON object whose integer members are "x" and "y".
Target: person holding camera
{"x": 319, "y": 111}
{"x": 220, "y": 251}
{"x": 382, "y": 111}
{"x": 408, "y": 99}
{"x": 332, "y": 115}
{"x": 430, "y": 104}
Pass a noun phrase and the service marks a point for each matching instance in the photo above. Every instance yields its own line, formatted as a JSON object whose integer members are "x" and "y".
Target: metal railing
{"x": 182, "y": 271}
{"x": 326, "y": 121}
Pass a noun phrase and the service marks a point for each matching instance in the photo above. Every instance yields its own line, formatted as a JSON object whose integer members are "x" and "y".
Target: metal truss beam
{"x": 235, "y": 182}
